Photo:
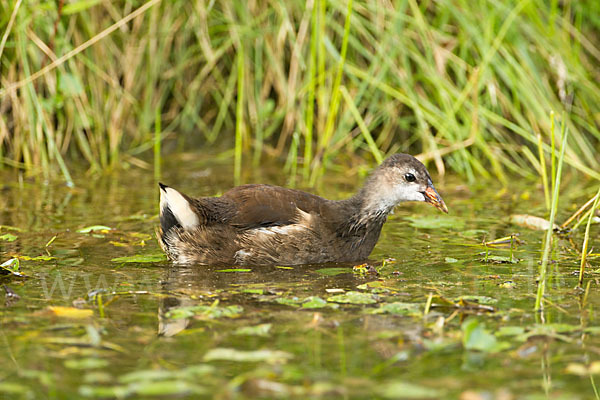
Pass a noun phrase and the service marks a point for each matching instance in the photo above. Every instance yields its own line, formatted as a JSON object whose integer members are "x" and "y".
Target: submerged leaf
{"x": 191, "y": 372}
{"x": 258, "y": 330}
{"x": 166, "y": 388}
{"x": 436, "y": 222}
{"x": 333, "y": 271}
{"x": 398, "y": 308}
{"x": 86, "y": 363}
{"x": 141, "y": 258}
{"x": 235, "y": 270}
{"x": 269, "y": 356}
{"x": 315, "y": 302}
{"x": 476, "y": 337}
{"x": 501, "y": 259}
{"x": 204, "y": 311}
{"x": 406, "y": 390}
{"x": 70, "y": 312}
{"x": 353, "y": 298}
{"x": 93, "y": 228}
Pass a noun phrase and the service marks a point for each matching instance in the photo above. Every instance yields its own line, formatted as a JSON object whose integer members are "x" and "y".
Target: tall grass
{"x": 553, "y": 209}
{"x": 468, "y": 81}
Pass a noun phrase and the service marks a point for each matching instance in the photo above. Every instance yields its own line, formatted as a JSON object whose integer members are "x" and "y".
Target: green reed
{"x": 586, "y": 238}
{"x": 476, "y": 94}
{"x": 554, "y": 207}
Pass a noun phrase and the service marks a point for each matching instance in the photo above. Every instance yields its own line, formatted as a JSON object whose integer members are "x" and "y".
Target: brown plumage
{"x": 264, "y": 224}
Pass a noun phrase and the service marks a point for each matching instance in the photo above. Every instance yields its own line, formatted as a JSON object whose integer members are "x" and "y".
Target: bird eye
{"x": 410, "y": 177}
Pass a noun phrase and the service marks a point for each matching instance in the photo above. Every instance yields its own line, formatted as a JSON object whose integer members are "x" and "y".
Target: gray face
{"x": 406, "y": 176}
{"x": 401, "y": 178}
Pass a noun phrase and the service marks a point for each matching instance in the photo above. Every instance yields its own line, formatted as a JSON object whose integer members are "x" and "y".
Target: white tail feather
{"x": 179, "y": 206}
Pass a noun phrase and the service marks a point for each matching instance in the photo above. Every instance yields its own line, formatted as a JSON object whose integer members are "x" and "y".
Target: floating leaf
{"x": 10, "y": 228}
{"x": 70, "y": 312}
{"x": 86, "y": 363}
{"x": 353, "y": 298}
{"x": 94, "y": 228}
{"x": 258, "y": 330}
{"x": 510, "y": 331}
{"x": 37, "y": 258}
{"x": 191, "y": 372}
{"x": 141, "y": 258}
{"x": 13, "y": 388}
{"x": 476, "y": 337}
{"x": 253, "y": 291}
{"x": 501, "y": 260}
{"x": 436, "y": 222}
{"x": 165, "y": 388}
{"x": 287, "y": 301}
{"x": 450, "y": 260}
{"x": 103, "y": 392}
{"x": 8, "y": 237}
{"x": 209, "y": 312}
{"x": 235, "y": 270}
{"x": 314, "y": 302}
{"x": 333, "y": 271}
{"x": 398, "y": 308}
{"x": 269, "y": 356}
{"x": 406, "y": 390}
{"x": 479, "y": 299}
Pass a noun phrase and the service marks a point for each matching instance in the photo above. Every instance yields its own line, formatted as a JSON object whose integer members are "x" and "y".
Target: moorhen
{"x": 267, "y": 225}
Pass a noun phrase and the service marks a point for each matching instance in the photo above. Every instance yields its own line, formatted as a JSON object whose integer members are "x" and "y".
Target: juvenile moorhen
{"x": 264, "y": 224}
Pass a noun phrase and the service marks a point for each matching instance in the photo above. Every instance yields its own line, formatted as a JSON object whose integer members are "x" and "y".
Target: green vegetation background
{"x": 469, "y": 85}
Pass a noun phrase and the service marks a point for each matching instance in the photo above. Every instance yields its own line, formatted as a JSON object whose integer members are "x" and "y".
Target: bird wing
{"x": 257, "y": 206}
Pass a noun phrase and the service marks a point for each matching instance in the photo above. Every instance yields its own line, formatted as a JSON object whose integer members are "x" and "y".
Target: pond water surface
{"x": 435, "y": 314}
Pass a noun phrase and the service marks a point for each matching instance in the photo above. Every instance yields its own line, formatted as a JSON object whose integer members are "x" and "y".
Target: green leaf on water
{"x": 86, "y": 363}
{"x": 333, "y": 271}
{"x": 165, "y": 388}
{"x": 353, "y": 298}
{"x": 436, "y": 222}
{"x": 94, "y": 228}
{"x": 10, "y": 228}
{"x": 13, "y": 388}
{"x": 398, "y": 308}
{"x": 204, "y": 311}
{"x": 478, "y": 299}
{"x": 8, "y": 237}
{"x": 406, "y": 390}
{"x": 253, "y": 291}
{"x": 141, "y": 258}
{"x": 476, "y": 337}
{"x": 37, "y": 258}
{"x": 268, "y": 356}
{"x": 103, "y": 392}
{"x": 450, "y": 260}
{"x": 315, "y": 302}
{"x": 287, "y": 301}
{"x": 235, "y": 270}
{"x": 258, "y": 330}
{"x": 510, "y": 331}
{"x": 192, "y": 372}
{"x": 501, "y": 259}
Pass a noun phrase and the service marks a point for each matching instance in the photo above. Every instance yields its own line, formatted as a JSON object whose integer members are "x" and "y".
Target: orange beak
{"x": 432, "y": 197}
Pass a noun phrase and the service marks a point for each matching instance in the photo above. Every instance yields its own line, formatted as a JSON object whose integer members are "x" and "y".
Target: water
{"x": 154, "y": 329}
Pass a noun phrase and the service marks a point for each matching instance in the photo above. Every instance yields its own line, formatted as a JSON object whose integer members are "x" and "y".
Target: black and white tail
{"x": 175, "y": 210}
